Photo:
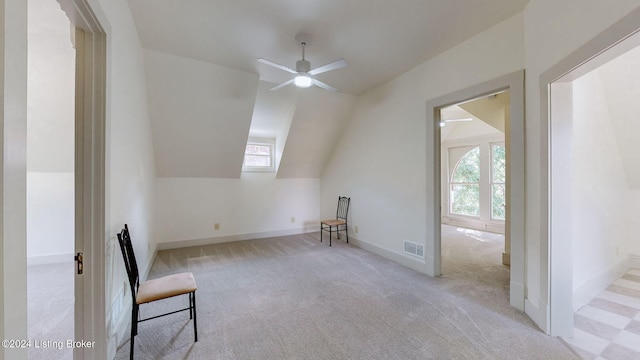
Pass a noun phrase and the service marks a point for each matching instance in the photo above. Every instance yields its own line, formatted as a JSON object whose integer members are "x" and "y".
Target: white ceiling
{"x": 208, "y": 94}
{"x": 380, "y": 39}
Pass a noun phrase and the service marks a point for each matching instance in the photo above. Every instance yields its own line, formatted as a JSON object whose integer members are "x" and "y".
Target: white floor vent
{"x": 414, "y": 249}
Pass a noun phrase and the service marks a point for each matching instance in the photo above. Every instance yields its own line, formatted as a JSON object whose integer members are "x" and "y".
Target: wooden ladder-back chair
{"x": 156, "y": 289}
{"x": 340, "y": 222}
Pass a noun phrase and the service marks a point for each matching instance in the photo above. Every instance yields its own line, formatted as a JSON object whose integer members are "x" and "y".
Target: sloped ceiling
{"x": 208, "y": 94}
{"x": 200, "y": 116}
{"x": 315, "y": 129}
{"x": 490, "y": 109}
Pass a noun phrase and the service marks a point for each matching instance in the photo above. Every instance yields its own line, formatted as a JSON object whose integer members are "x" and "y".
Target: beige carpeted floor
{"x": 50, "y": 310}
{"x": 296, "y": 298}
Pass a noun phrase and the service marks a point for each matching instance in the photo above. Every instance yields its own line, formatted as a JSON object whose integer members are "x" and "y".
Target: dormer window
{"x": 259, "y": 155}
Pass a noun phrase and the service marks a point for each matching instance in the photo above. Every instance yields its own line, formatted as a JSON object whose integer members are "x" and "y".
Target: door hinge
{"x": 79, "y": 264}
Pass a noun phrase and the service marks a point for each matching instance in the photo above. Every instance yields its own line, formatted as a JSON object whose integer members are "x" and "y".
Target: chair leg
{"x": 346, "y": 231}
{"x": 330, "y": 233}
{"x": 134, "y": 328}
{"x": 321, "y": 230}
{"x": 190, "y": 307}
{"x": 195, "y": 320}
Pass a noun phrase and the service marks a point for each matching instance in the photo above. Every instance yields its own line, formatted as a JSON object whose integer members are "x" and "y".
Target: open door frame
{"x": 555, "y": 96}
{"x": 90, "y": 176}
{"x": 13, "y": 175}
{"x": 513, "y": 82}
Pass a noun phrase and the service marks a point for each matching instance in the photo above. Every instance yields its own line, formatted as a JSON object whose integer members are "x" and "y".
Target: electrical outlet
{"x": 356, "y": 229}
{"x": 293, "y": 219}
{"x": 216, "y": 226}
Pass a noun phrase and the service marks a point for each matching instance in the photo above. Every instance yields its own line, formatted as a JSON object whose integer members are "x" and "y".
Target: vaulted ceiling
{"x": 208, "y": 93}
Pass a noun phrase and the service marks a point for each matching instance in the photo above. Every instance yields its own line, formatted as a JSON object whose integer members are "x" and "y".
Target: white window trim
{"x": 272, "y": 146}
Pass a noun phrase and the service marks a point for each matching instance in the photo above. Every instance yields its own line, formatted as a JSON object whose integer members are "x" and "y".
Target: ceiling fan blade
{"x": 332, "y": 66}
{"x": 277, "y": 66}
{"x": 282, "y": 85}
{"x": 459, "y": 120}
{"x": 324, "y": 86}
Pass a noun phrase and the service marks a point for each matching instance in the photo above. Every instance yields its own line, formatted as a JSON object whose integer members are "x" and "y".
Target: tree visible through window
{"x": 465, "y": 184}
{"x": 498, "y": 180}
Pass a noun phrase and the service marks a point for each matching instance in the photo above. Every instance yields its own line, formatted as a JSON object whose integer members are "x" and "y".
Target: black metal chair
{"x": 340, "y": 222}
{"x": 156, "y": 289}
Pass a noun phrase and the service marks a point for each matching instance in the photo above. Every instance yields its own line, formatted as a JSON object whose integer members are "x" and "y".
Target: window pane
{"x": 465, "y": 199}
{"x": 258, "y": 150}
{"x": 257, "y": 160}
{"x": 467, "y": 169}
{"x": 498, "y": 201}
{"x": 498, "y": 170}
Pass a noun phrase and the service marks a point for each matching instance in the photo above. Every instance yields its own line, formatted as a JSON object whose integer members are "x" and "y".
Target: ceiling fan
{"x": 304, "y": 74}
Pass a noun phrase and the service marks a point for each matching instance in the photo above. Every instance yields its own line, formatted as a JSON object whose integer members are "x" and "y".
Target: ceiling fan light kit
{"x": 303, "y": 81}
{"x": 304, "y": 73}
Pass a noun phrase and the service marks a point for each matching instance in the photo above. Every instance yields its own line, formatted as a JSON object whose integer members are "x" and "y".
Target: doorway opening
{"x": 50, "y": 180}
{"x": 514, "y": 175}
{"x": 593, "y": 183}
{"x": 473, "y": 192}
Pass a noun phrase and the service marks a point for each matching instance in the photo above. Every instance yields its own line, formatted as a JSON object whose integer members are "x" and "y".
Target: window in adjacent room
{"x": 259, "y": 155}
{"x": 498, "y": 179}
{"x": 465, "y": 184}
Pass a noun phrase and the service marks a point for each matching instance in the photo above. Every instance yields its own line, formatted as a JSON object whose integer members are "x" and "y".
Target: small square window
{"x": 259, "y": 155}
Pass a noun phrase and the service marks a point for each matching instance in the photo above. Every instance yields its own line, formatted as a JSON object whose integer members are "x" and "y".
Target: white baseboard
{"x": 119, "y": 331}
{"x": 473, "y": 224}
{"x": 50, "y": 259}
{"x": 229, "y": 238}
{"x": 589, "y": 290}
{"x": 404, "y": 260}
{"x": 538, "y": 313}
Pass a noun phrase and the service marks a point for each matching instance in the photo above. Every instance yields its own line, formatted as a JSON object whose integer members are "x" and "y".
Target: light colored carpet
{"x": 50, "y": 310}
{"x": 296, "y": 298}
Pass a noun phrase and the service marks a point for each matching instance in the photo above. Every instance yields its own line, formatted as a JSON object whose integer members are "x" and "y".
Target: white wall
{"x": 553, "y": 29}
{"x": 253, "y": 206}
{"x": 130, "y": 155}
{"x": 50, "y": 92}
{"x": 601, "y": 212}
{"x": 380, "y": 161}
{"x": 50, "y": 134}
{"x": 50, "y": 217}
{"x": 130, "y": 158}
